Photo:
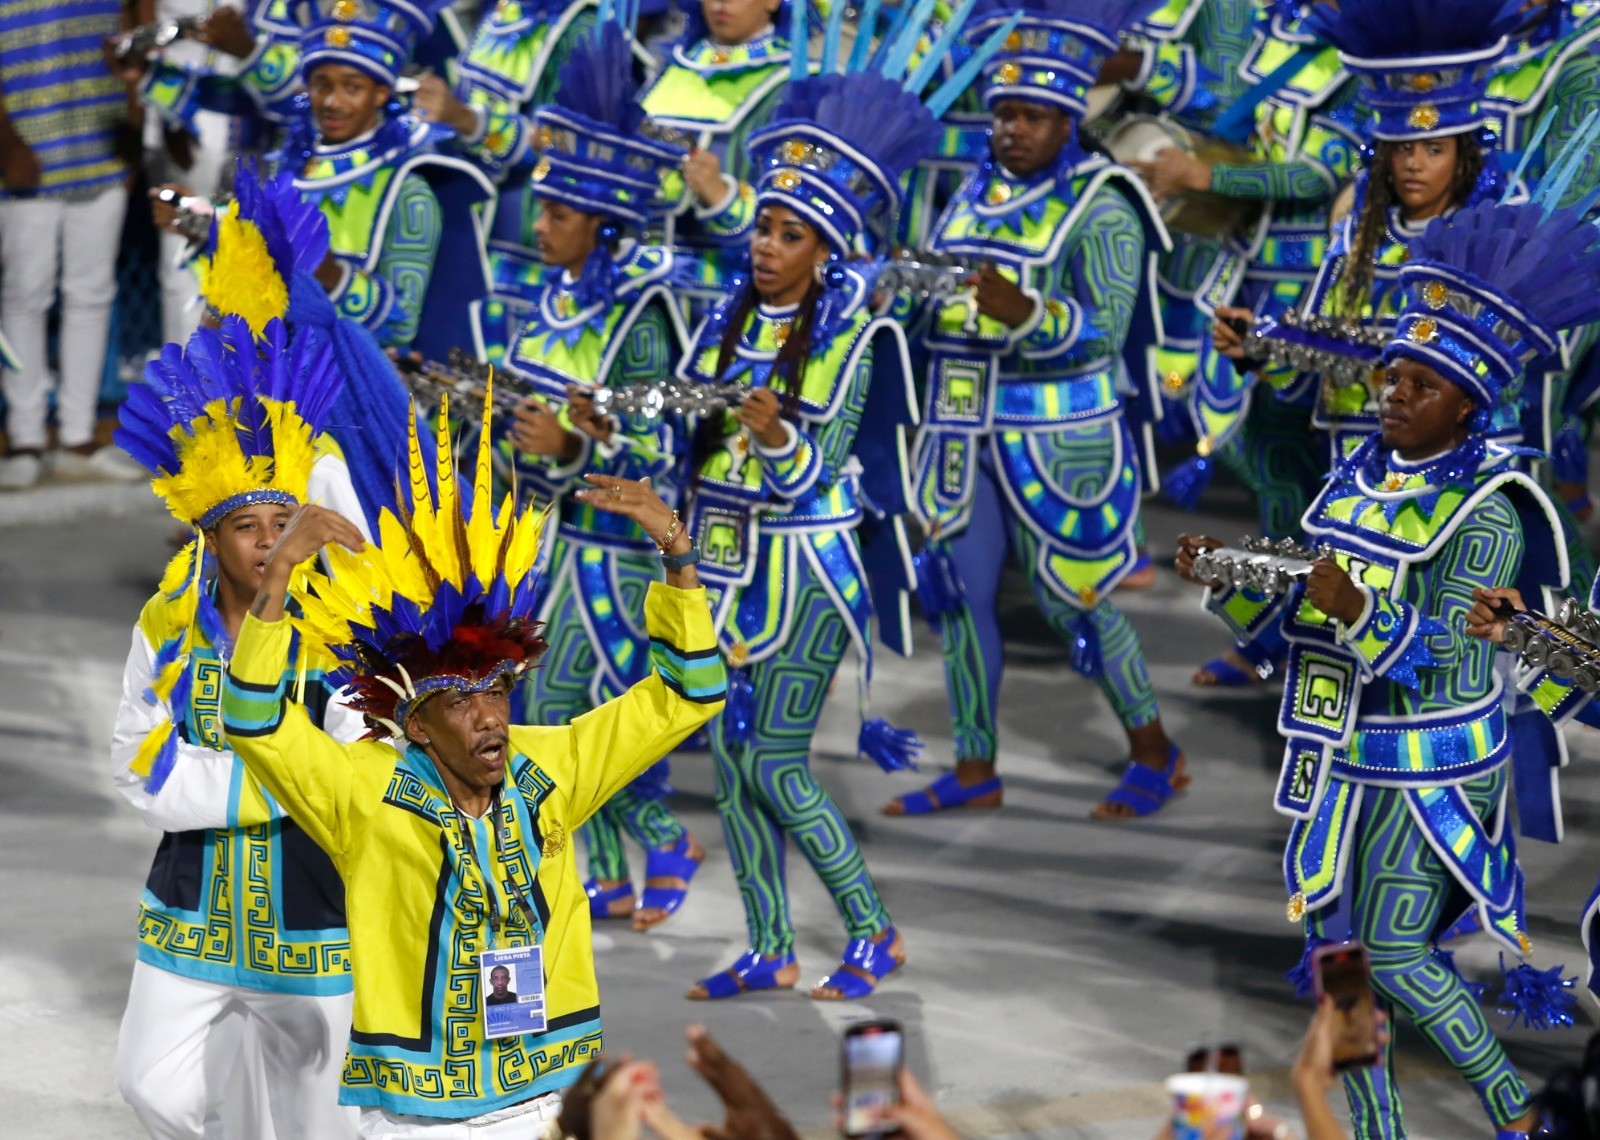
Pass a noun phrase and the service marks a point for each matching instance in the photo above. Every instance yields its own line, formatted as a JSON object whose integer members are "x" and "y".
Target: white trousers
{"x": 171, "y": 1070}
{"x": 45, "y": 243}
{"x": 519, "y": 1122}
{"x": 213, "y": 157}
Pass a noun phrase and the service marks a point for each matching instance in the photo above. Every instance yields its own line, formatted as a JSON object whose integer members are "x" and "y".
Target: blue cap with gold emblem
{"x": 373, "y": 36}
{"x": 1054, "y": 53}
{"x": 1425, "y": 63}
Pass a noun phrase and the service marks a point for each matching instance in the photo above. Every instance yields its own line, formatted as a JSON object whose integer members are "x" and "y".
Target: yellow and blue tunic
{"x": 238, "y": 895}
{"x": 416, "y": 872}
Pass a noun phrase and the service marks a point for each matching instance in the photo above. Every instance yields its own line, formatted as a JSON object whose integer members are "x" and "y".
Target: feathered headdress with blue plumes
{"x": 444, "y": 599}
{"x": 377, "y": 37}
{"x": 1426, "y": 63}
{"x": 1055, "y": 52}
{"x": 1489, "y": 289}
{"x": 258, "y": 243}
{"x": 261, "y": 263}
{"x": 230, "y": 420}
{"x": 837, "y": 145}
{"x": 592, "y": 154}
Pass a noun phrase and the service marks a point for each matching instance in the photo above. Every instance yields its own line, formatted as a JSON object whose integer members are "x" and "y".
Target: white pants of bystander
{"x": 46, "y": 242}
{"x": 213, "y": 155}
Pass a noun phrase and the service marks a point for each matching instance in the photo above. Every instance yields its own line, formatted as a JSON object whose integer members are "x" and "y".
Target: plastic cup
{"x": 1204, "y": 1103}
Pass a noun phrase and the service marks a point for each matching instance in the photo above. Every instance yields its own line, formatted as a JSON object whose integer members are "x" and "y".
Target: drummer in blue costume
{"x": 811, "y": 460}
{"x": 1182, "y": 64}
{"x": 1396, "y": 765}
{"x": 405, "y": 221}
{"x": 605, "y": 317}
{"x": 1024, "y": 450}
{"x": 1306, "y": 139}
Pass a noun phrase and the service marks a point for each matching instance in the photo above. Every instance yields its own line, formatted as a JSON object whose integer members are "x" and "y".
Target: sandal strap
{"x": 601, "y": 898}
{"x": 1142, "y": 789}
{"x": 673, "y": 863}
{"x": 873, "y": 957}
{"x": 944, "y": 793}
{"x": 751, "y": 972}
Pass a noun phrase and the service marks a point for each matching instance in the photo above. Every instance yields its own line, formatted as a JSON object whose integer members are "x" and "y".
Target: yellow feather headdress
{"x": 444, "y": 599}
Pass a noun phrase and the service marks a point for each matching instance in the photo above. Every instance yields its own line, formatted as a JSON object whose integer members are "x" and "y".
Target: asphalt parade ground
{"x": 1059, "y": 967}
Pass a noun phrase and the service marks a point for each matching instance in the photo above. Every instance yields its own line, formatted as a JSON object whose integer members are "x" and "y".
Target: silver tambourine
{"x": 148, "y": 38}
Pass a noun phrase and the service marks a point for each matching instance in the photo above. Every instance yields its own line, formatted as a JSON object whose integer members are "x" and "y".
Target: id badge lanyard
{"x": 501, "y": 832}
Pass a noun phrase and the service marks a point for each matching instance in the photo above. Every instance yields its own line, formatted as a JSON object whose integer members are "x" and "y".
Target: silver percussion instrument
{"x": 1262, "y": 565}
{"x": 669, "y": 397}
{"x": 925, "y": 275}
{"x": 1564, "y": 645}
{"x": 140, "y": 42}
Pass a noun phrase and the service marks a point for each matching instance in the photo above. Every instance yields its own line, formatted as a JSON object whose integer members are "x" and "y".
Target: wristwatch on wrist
{"x": 676, "y": 562}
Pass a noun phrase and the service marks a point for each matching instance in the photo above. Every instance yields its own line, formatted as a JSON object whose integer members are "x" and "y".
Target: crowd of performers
{"x": 732, "y": 327}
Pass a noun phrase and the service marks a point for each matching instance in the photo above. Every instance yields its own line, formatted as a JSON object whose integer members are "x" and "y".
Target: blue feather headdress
{"x": 592, "y": 152}
{"x": 838, "y": 144}
{"x": 1426, "y": 63}
{"x": 377, "y": 37}
{"x": 1489, "y": 289}
{"x": 1055, "y": 52}
{"x": 230, "y": 419}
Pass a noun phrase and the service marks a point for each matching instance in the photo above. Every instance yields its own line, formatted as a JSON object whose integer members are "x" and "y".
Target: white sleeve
{"x": 342, "y": 722}
{"x": 330, "y": 486}
{"x": 198, "y": 794}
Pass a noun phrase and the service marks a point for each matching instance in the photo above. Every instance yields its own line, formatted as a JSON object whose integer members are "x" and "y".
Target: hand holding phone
{"x": 1341, "y": 972}
{"x": 872, "y": 1054}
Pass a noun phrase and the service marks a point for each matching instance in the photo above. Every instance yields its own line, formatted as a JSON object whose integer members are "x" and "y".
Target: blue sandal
{"x": 874, "y": 958}
{"x": 1227, "y": 674}
{"x": 1145, "y": 791}
{"x": 944, "y": 794}
{"x": 674, "y": 863}
{"x": 750, "y": 974}
{"x": 601, "y": 898}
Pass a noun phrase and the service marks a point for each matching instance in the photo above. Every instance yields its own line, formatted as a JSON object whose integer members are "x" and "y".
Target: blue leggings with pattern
{"x": 560, "y": 689}
{"x": 766, "y": 793}
{"x": 1394, "y": 898}
{"x": 973, "y": 649}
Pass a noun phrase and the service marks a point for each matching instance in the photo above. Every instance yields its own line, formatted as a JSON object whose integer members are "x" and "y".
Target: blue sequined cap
{"x": 1425, "y": 63}
{"x": 1054, "y": 54}
{"x": 373, "y": 36}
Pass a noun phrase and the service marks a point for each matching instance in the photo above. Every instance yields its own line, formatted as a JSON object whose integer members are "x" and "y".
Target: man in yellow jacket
{"x": 452, "y": 826}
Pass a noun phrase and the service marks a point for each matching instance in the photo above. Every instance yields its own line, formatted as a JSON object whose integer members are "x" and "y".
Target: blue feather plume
{"x": 1540, "y": 999}
{"x": 892, "y": 749}
{"x": 1546, "y": 262}
{"x": 1382, "y": 29}
{"x": 597, "y": 80}
{"x": 869, "y": 112}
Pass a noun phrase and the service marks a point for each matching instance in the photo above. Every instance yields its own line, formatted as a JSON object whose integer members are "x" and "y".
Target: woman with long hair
{"x": 813, "y": 452}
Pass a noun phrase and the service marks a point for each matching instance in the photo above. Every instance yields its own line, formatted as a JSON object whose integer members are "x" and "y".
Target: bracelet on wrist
{"x": 674, "y": 529}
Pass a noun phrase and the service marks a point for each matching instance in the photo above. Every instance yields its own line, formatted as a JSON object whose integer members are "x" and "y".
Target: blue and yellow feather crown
{"x": 444, "y": 599}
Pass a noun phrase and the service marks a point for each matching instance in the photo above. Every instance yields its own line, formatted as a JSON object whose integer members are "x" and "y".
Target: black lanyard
{"x": 501, "y": 832}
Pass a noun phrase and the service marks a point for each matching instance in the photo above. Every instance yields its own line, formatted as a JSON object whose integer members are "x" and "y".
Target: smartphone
{"x": 1341, "y": 972}
{"x": 872, "y": 1054}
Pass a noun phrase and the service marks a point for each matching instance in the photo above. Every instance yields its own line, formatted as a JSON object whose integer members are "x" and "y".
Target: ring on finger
{"x": 616, "y": 494}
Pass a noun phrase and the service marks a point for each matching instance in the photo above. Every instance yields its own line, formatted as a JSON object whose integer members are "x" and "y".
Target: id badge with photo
{"x": 513, "y": 991}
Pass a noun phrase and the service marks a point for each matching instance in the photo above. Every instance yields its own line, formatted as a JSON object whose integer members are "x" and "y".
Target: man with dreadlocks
{"x": 1398, "y": 750}
{"x": 450, "y": 825}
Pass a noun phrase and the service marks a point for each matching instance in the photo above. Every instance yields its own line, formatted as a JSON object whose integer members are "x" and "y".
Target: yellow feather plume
{"x": 144, "y": 759}
{"x": 213, "y": 467}
{"x": 240, "y": 277}
{"x": 488, "y": 545}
